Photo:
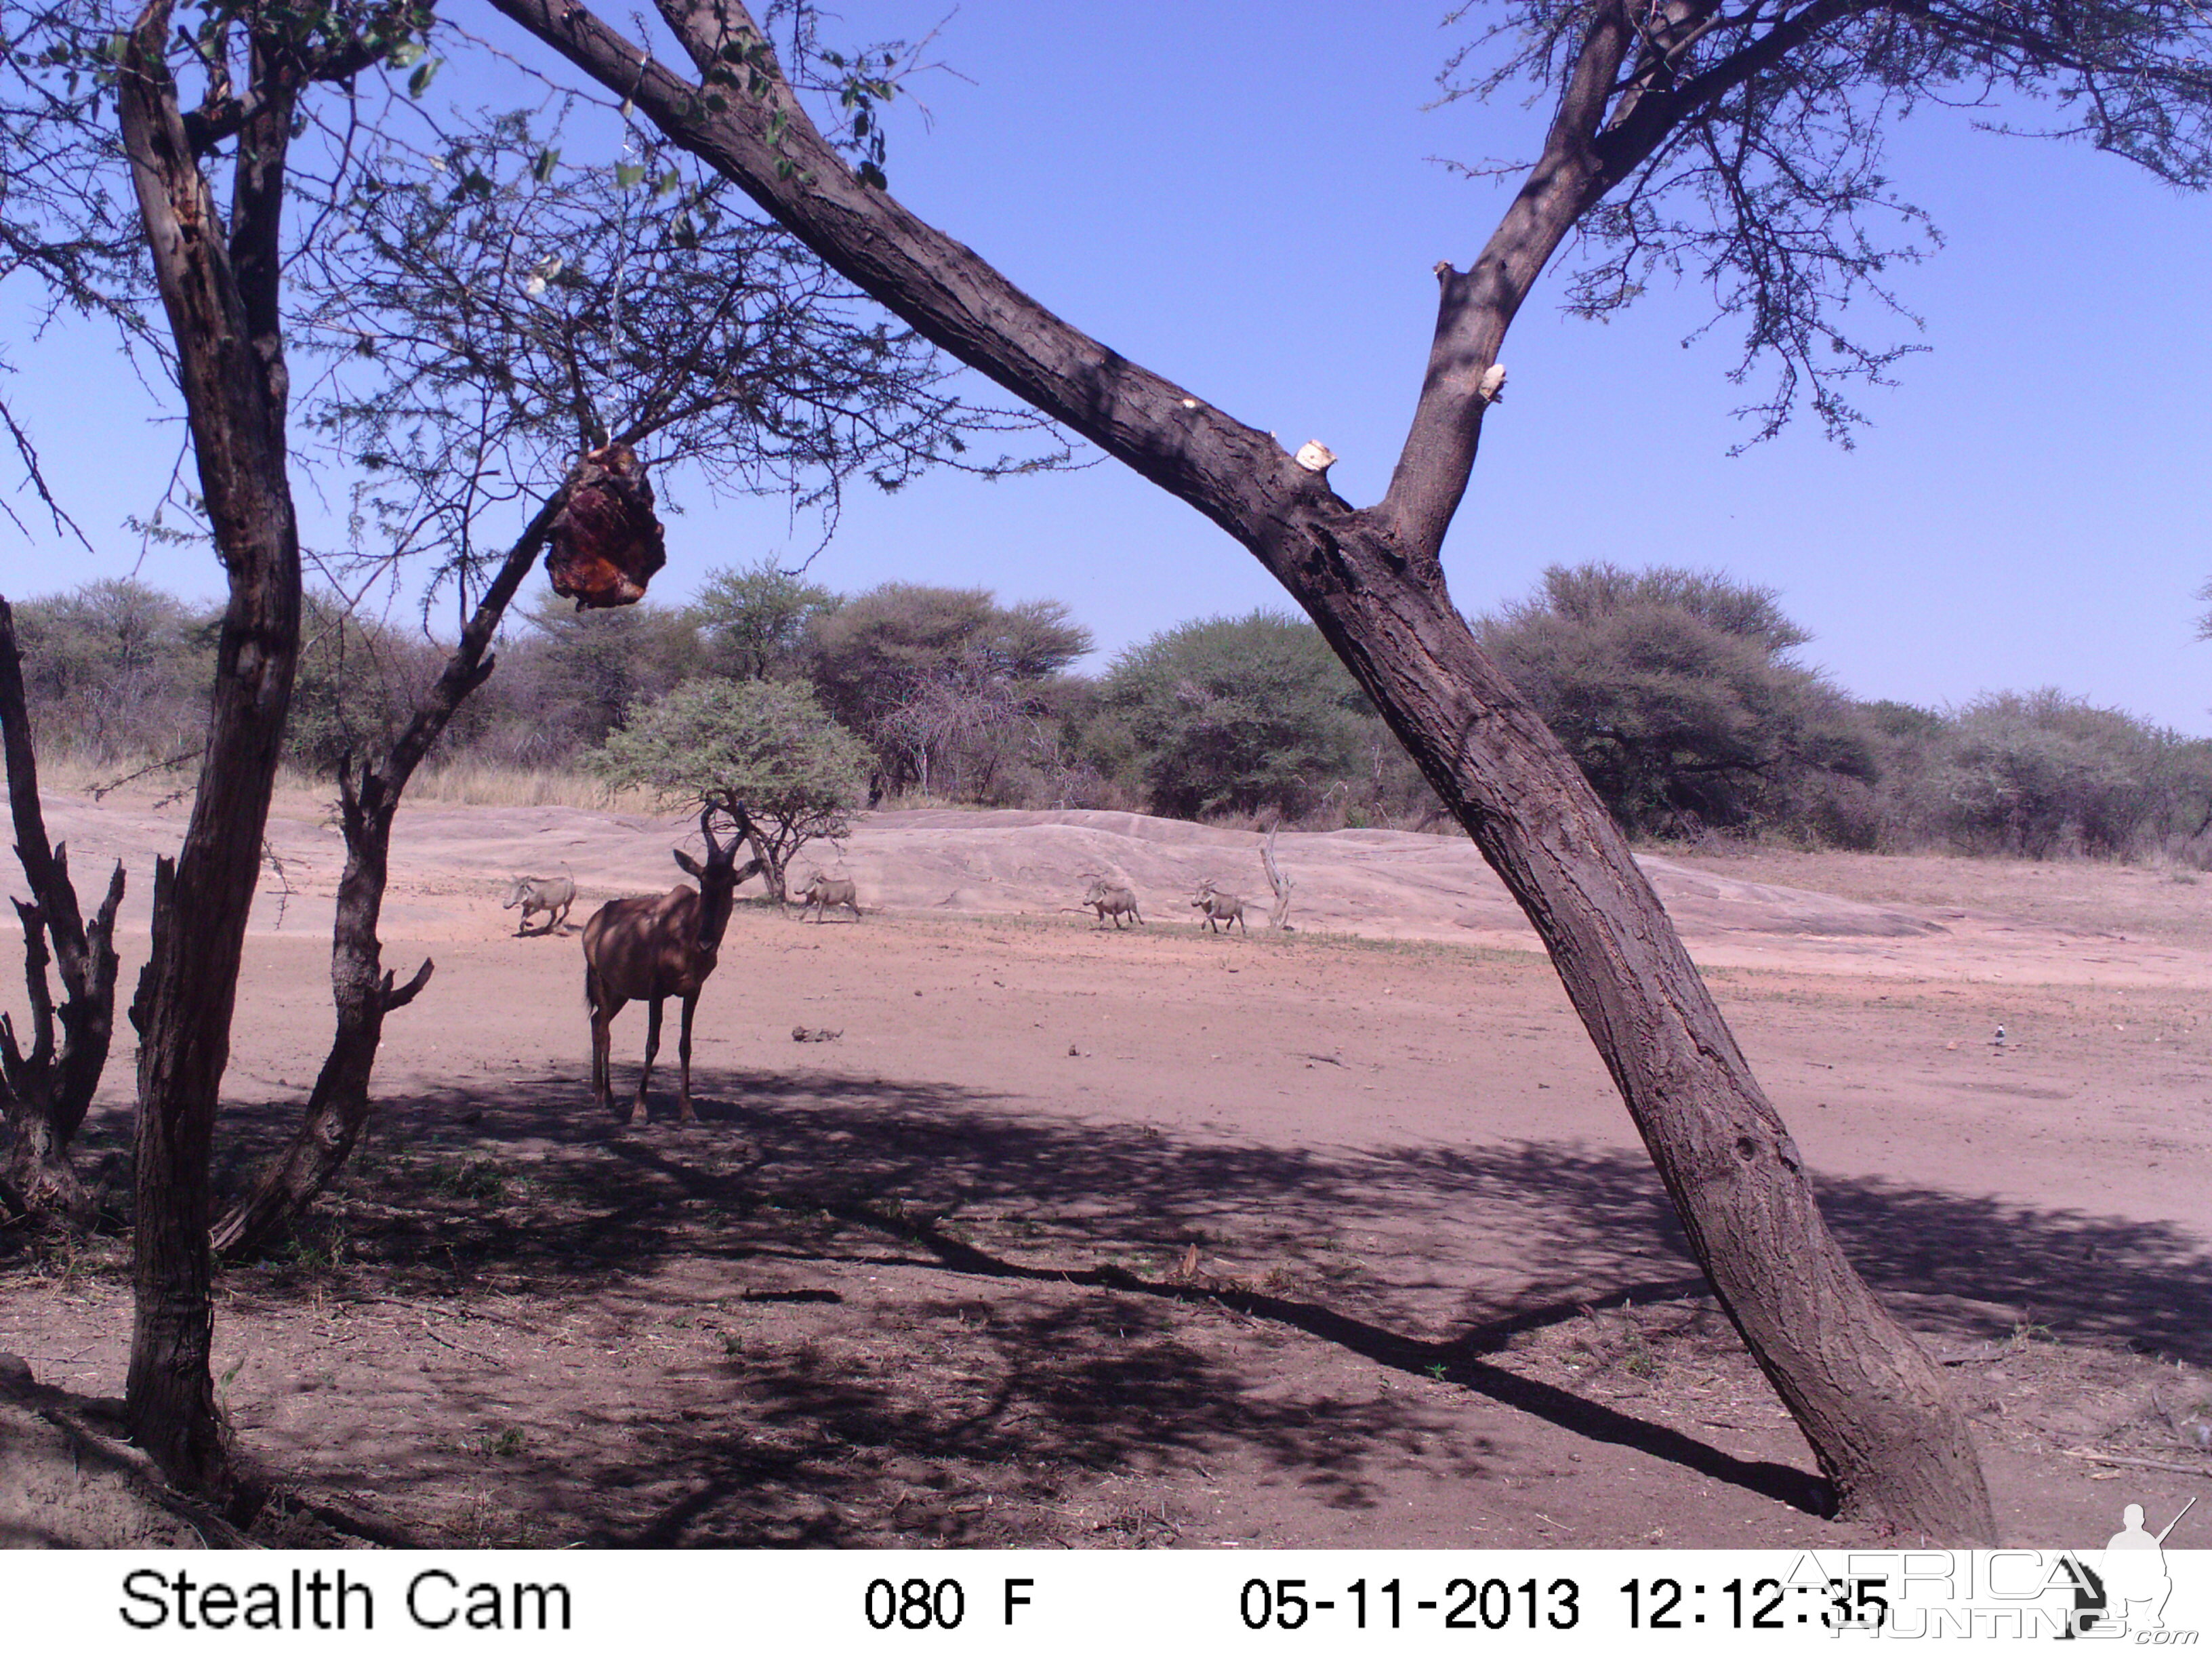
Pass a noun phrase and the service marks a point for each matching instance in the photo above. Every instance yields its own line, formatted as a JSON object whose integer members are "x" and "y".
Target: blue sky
{"x": 1247, "y": 205}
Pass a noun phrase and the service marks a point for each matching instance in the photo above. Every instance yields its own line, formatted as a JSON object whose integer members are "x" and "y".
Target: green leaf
{"x": 629, "y": 176}
{"x": 667, "y": 182}
{"x": 406, "y": 54}
{"x": 542, "y": 168}
{"x": 419, "y": 83}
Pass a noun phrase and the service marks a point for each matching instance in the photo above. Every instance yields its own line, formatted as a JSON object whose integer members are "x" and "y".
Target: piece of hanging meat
{"x": 606, "y": 541}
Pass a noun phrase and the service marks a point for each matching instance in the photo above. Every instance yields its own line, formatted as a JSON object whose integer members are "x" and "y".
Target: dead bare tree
{"x": 1765, "y": 114}
{"x": 1278, "y": 915}
{"x": 45, "y": 1094}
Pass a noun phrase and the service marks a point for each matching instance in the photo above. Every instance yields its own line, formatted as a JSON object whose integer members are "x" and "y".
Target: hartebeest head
{"x": 717, "y": 878}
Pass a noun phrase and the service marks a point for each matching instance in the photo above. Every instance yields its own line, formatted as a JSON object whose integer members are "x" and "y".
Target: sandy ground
{"x": 1073, "y": 1236}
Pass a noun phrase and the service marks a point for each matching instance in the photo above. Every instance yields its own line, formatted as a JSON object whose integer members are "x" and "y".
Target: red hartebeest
{"x": 650, "y": 948}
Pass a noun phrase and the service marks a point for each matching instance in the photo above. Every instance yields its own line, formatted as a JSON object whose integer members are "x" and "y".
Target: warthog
{"x": 1220, "y": 909}
{"x": 551, "y": 894}
{"x": 824, "y": 893}
{"x": 1111, "y": 898}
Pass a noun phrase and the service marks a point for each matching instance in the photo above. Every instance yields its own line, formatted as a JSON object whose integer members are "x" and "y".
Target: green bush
{"x": 765, "y": 743}
{"x": 115, "y": 670}
{"x": 2040, "y": 774}
{"x": 944, "y": 682}
{"x": 1244, "y": 715}
{"x": 1677, "y": 694}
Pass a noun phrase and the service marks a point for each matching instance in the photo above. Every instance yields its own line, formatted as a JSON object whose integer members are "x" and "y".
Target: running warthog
{"x": 823, "y": 893}
{"x": 551, "y": 894}
{"x": 1221, "y": 909}
{"x": 1111, "y": 898}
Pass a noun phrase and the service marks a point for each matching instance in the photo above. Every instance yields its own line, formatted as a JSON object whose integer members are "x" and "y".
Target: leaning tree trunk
{"x": 221, "y": 303}
{"x": 45, "y": 1093}
{"x": 362, "y": 990}
{"x": 1870, "y": 1402}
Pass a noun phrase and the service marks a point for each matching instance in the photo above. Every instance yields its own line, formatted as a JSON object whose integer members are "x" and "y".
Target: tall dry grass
{"x": 469, "y": 782}
{"x": 463, "y": 782}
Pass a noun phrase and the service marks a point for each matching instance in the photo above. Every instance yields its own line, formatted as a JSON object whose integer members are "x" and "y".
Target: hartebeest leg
{"x": 603, "y": 1022}
{"x": 651, "y": 1048}
{"x": 683, "y": 1112}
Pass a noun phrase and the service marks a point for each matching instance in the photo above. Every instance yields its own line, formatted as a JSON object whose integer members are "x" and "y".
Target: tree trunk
{"x": 767, "y": 861}
{"x": 221, "y": 303}
{"x": 338, "y": 1106}
{"x": 1872, "y": 1405}
{"x": 45, "y": 1093}
{"x": 1873, "y": 1408}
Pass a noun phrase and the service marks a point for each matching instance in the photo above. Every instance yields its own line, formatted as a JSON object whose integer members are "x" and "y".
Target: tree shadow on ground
{"x": 1065, "y": 1341}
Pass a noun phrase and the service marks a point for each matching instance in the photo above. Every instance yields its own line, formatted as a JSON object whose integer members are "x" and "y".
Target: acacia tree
{"x": 753, "y": 620}
{"x": 1240, "y": 715}
{"x": 1741, "y": 140}
{"x": 239, "y": 80}
{"x": 486, "y": 319}
{"x": 1676, "y": 693}
{"x": 219, "y": 275}
{"x": 764, "y": 743}
{"x": 940, "y": 679}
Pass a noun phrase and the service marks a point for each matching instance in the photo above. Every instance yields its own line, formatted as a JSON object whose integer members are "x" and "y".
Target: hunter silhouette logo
{"x": 2137, "y": 1583}
{"x": 2126, "y": 1592}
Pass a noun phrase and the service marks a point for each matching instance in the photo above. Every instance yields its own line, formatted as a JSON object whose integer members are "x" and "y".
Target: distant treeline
{"x": 1680, "y": 693}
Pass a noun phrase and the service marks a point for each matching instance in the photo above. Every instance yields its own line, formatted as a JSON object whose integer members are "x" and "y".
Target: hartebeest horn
{"x": 706, "y": 828}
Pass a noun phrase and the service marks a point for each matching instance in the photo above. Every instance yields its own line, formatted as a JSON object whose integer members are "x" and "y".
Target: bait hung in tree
{"x": 606, "y": 541}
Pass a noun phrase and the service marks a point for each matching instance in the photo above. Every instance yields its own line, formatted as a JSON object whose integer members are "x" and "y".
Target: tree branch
{"x": 1476, "y": 306}
{"x": 407, "y": 993}
{"x": 1235, "y": 475}
{"x": 1639, "y": 129}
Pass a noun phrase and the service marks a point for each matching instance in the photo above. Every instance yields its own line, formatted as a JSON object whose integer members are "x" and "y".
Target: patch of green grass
{"x": 302, "y": 1254}
{"x": 479, "y": 1179}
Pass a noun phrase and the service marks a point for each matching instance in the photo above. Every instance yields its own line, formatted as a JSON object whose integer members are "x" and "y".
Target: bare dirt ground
{"x": 1077, "y": 1237}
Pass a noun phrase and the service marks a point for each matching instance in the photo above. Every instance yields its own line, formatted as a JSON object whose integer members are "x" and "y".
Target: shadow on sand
{"x": 522, "y": 1180}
